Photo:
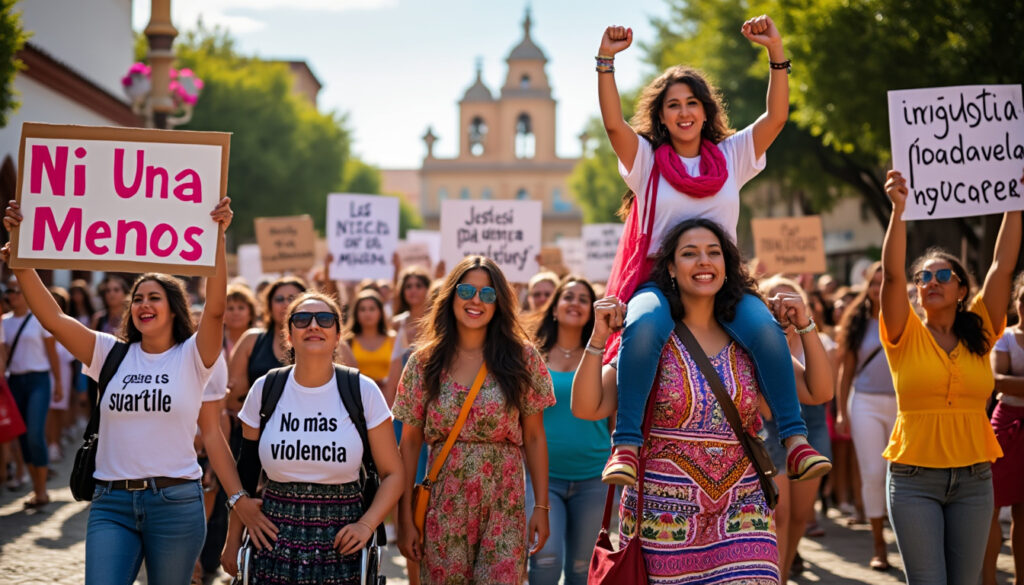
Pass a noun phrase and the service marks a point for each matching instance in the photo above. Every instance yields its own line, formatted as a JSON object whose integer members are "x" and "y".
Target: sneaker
{"x": 55, "y": 453}
{"x": 803, "y": 462}
{"x": 621, "y": 468}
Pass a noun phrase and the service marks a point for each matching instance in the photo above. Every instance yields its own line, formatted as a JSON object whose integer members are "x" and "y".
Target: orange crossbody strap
{"x": 435, "y": 469}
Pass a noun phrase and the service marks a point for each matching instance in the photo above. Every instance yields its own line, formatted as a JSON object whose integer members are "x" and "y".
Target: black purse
{"x": 753, "y": 446}
{"x": 82, "y": 482}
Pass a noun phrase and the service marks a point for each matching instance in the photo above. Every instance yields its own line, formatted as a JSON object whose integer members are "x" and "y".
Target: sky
{"x": 395, "y": 67}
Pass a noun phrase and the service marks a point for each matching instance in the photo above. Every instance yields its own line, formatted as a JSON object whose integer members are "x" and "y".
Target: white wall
{"x": 93, "y": 37}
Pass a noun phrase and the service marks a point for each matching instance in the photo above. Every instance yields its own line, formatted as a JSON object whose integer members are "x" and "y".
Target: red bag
{"x": 11, "y": 424}
{"x": 624, "y": 566}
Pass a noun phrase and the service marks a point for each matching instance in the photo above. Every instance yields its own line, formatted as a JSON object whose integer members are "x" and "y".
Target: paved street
{"x": 48, "y": 548}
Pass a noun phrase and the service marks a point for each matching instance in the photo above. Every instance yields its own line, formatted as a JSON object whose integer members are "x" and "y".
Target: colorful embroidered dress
{"x": 476, "y": 523}
{"x": 705, "y": 518}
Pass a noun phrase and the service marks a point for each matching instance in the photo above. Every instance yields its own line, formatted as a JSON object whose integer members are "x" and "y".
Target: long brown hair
{"x": 546, "y": 330}
{"x": 647, "y": 120}
{"x": 853, "y": 325}
{"x": 503, "y": 345}
{"x": 268, "y": 296}
{"x": 182, "y": 326}
{"x": 353, "y": 325}
{"x": 400, "y": 304}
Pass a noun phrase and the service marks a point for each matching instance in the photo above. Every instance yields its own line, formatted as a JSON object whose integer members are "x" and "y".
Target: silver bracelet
{"x": 810, "y": 327}
{"x": 598, "y": 351}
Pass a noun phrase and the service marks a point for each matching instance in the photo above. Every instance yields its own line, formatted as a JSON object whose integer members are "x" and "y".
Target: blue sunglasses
{"x": 942, "y": 276}
{"x": 467, "y": 291}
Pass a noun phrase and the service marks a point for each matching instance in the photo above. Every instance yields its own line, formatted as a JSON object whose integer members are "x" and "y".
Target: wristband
{"x": 592, "y": 350}
{"x": 787, "y": 65}
{"x": 234, "y": 498}
{"x": 539, "y": 507}
{"x": 810, "y": 327}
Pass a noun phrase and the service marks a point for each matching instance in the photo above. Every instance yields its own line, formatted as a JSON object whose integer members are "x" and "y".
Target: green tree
{"x": 12, "y": 39}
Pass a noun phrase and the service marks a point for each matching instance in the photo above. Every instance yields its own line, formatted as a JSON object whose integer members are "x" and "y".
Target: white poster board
{"x": 600, "y": 241}
{"x": 362, "y": 234}
{"x": 413, "y": 254}
{"x": 961, "y": 149}
{"x": 573, "y": 254}
{"x": 250, "y": 265}
{"x": 120, "y": 199}
{"x": 507, "y": 232}
{"x": 431, "y": 238}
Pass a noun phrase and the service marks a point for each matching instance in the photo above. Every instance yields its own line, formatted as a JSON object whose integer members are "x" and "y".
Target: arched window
{"x": 464, "y": 193}
{"x": 522, "y": 194}
{"x": 477, "y": 132}
{"x": 525, "y": 142}
{"x": 487, "y": 193}
{"x": 524, "y": 81}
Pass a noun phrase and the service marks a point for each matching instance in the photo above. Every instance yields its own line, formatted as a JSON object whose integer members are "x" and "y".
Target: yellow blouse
{"x": 941, "y": 420}
{"x": 376, "y": 363}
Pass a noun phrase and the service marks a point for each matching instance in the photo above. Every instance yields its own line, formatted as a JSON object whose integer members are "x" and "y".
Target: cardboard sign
{"x": 961, "y": 149}
{"x": 287, "y": 244}
{"x": 362, "y": 233}
{"x": 429, "y": 237}
{"x": 551, "y": 259}
{"x": 507, "y": 232}
{"x": 573, "y": 254}
{"x": 600, "y": 241}
{"x": 413, "y": 254}
{"x": 119, "y": 199}
{"x": 789, "y": 244}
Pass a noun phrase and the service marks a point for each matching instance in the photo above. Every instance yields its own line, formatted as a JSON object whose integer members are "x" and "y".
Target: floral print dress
{"x": 476, "y": 523}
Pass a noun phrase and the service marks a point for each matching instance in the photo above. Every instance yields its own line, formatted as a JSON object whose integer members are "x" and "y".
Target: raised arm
{"x": 895, "y": 305}
{"x": 591, "y": 398}
{"x": 762, "y": 30}
{"x": 995, "y": 292}
{"x": 624, "y": 140}
{"x": 210, "y": 334}
{"x": 77, "y": 338}
{"x": 815, "y": 380}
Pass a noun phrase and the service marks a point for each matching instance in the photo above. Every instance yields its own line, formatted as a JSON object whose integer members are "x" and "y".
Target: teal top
{"x": 577, "y": 448}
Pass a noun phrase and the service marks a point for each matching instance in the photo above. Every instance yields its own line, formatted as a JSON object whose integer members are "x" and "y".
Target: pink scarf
{"x": 632, "y": 267}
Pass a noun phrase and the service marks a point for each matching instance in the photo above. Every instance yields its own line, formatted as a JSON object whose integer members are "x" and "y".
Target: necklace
{"x": 566, "y": 352}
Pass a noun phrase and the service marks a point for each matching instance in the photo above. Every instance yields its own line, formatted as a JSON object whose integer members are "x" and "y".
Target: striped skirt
{"x": 308, "y": 516}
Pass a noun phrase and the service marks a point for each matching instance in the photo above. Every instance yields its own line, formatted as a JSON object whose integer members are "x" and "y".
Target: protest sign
{"x": 431, "y": 238}
{"x": 413, "y": 254}
{"x": 362, "y": 233}
{"x": 250, "y": 267}
{"x": 961, "y": 149}
{"x": 287, "y": 244}
{"x": 120, "y": 199}
{"x": 551, "y": 259}
{"x": 600, "y": 241}
{"x": 789, "y": 244}
{"x": 507, "y": 232}
{"x": 573, "y": 254}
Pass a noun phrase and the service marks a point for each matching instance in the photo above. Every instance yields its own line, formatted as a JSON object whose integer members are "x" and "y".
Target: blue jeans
{"x": 575, "y": 520}
{"x": 647, "y": 328}
{"x": 165, "y": 527}
{"x": 31, "y": 393}
{"x": 941, "y": 518}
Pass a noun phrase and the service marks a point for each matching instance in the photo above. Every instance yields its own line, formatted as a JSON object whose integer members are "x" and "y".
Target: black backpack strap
{"x": 273, "y": 388}
{"x": 352, "y": 399}
{"x": 110, "y": 365}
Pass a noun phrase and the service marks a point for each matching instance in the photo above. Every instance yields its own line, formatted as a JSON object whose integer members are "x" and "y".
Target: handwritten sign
{"x": 431, "y": 238}
{"x": 551, "y": 259}
{"x": 287, "y": 244}
{"x": 507, "y": 232}
{"x": 789, "y": 244}
{"x": 600, "y": 241}
{"x": 362, "y": 233}
{"x": 573, "y": 254}
{"x": 121, "y": 199}
{"x": 413, "y": 254}
{"x": 961, "y": 149}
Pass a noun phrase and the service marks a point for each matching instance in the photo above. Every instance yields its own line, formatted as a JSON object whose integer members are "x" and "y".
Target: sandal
{"x": 803, "y": 462}
{"x": 621, "y": 468}
{"x": 32, "y": 503}
{"x": 879, "y": 564}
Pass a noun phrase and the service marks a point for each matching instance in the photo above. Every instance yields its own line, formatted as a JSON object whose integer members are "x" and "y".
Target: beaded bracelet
{"x": 605, "y": 64}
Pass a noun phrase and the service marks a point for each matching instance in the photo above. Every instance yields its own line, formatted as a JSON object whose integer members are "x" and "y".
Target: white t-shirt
{"x": 67, "y": 374}
{"x": 150, "y": 410}
{"x": 1008, "y": 343}
{"x": 30, "y": 355}
{"x": 673, "y": 207}
{"x": 310, "y": 437}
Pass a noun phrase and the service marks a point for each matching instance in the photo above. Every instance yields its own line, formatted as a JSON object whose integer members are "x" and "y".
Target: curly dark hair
{"x": 504, "y": 344}
{"x": 967, "y": 326}
{"x": 853, "y": 324}
{"x": 738, "y": 281}
{"x": 546, "y": 328}
{"x": 182, "y": 326}
{"x": 647, "y": 120}
{"x": 353, "y": 325}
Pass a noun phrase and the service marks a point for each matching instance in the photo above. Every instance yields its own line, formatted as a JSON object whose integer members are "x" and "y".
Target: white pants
{"x": 872, "y": 417}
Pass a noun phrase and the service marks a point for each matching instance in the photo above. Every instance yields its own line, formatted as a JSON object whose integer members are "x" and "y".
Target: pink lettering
{"x": 191, "y": 233}
{"x": 123, "y": 190}
{"x": 152, "y": 174}
{"x": 97, "y": 231}
{"x": 44, "y": 222}
{"x": 56, "y": 172}
{"x": 79, "y": 173}
{"x": 194, "y": 185}
{"x": 157, "y": 234}
{"x": 123, "y": 227}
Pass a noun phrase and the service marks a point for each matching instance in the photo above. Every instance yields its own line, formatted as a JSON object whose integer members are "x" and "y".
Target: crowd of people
{"x": 250, "y": 412}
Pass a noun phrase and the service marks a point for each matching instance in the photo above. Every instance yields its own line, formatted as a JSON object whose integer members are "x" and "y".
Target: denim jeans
{"x": 165, "y": 527}
{"x": 575, "y": 520}
{"x": 647, "y": 328}
{"x": 941, "y": 518}
{"x": 31, "y": 393}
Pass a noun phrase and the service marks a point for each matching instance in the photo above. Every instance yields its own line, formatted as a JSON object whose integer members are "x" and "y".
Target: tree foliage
{"x": 12, "y": 39}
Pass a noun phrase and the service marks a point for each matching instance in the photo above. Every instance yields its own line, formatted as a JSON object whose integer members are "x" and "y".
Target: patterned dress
{"x": 705, "y": 518}
{"x": 476, "y": 522}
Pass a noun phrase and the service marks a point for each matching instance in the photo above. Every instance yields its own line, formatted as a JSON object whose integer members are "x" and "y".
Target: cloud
{"x": 242, "y": 16}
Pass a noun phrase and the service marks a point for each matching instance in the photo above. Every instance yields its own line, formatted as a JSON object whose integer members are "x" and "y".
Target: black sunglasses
{"x": 324, "y": 319}
{"x": 942, "y": 276}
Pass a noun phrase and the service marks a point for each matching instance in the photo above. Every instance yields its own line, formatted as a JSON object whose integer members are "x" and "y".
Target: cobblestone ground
{"x": 48, "y": 547}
